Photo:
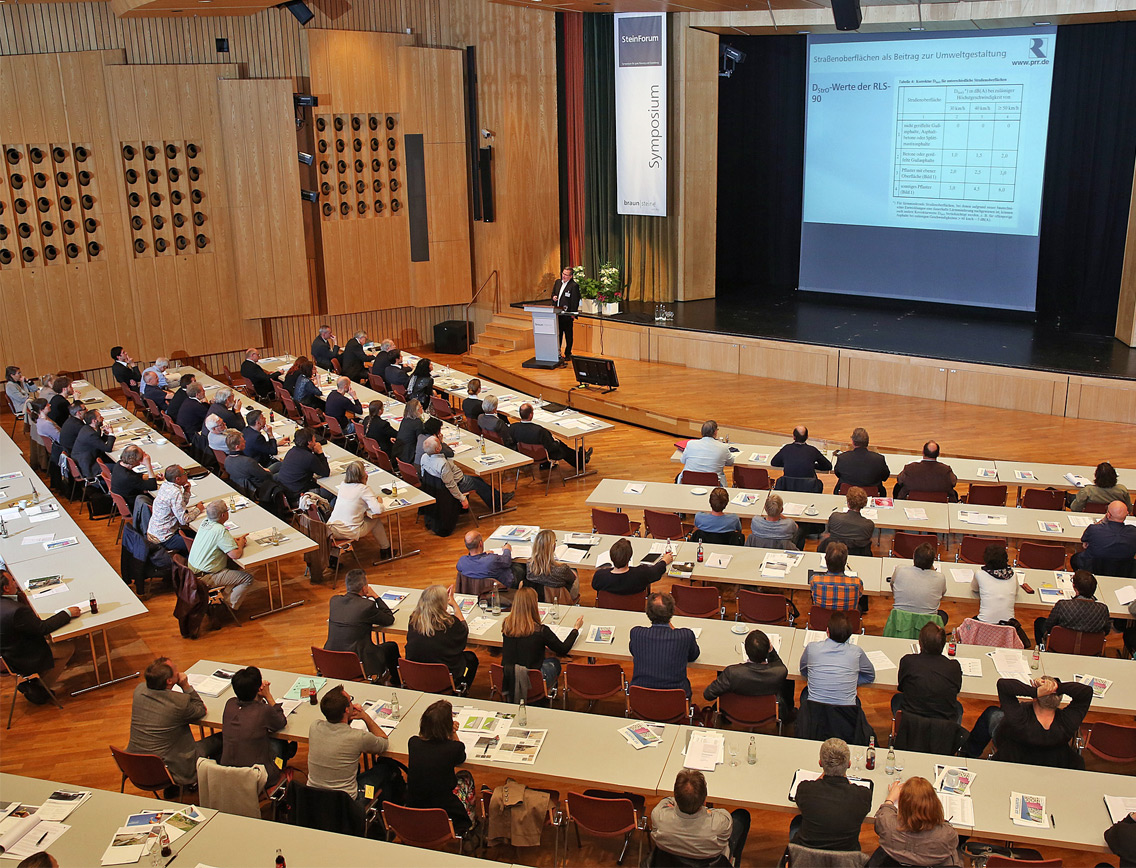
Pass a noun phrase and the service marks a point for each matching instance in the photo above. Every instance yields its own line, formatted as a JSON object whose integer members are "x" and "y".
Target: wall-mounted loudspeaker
{"x": 847, "y": 14}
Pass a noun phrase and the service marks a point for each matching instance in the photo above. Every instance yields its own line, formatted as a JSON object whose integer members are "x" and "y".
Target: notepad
{"x": 915, "y": 513}
{"x": 1078, "y": 520}
{"x": 570, "y": 555}
{"x": 718, "y": 562}
{"x": 635, "y": 488}
{"x": 1125, "y": 594}
{"x": 793, "y": 509}
{"x": 880, "y": 660}
{"x": 971, "y": 666}
{"x": 961, "y": 575}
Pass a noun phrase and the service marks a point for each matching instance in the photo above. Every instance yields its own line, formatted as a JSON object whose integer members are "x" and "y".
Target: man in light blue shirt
{"x": 708, "y": 455}
{"x": 159, "y": 367}
{"x": 834, "y": 668}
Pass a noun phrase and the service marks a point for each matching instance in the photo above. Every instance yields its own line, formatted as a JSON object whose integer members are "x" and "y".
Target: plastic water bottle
{"x": 396, "y": 712}
{"x": 751, "y": 753}
{"x": 522, "y": 714}
{"x": 870, "y": 755}
{"x": 889, "y": 763}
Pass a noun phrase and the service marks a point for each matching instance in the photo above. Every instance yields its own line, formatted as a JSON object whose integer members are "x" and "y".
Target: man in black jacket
{"x": 94, "y": 441}
{"x": 861, "y": 467}
{"x": 354, "y": 361}
{"x": 260, "y": 444}
{"x": 528, "y": 431}
{"x": 566, "y": 295}
{"x": 343, "y": 405}
{"x": 191, "y": 417}
{"x": 226, "y": 406}
{"x": 179, "y": 396}
{"x": 383, "y": 357}
{"x": 72, "y": 425}
{"x": 763, "y": 674}
{"x": 124, "y": 369}
{"x": 153, "y": 391}
{"x": 304, "y": 464}
{"x": 800, "y": 459}
{"x": 929, "y": 683}
{"x": 23, "y": 642}
{"x": 832, "y": 807}
{"x": 351, "y": 622}
{"x": 395, "y": 373}
{"x": 471, "y": 406}
{"x": 255, "y": 374}
{"x": 61, "y": 401}
{"x": 324, "y": 348}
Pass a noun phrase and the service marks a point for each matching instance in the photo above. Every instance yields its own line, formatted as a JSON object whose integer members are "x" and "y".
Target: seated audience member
{"x": 432, "y": 776}
{"x": 918, "y": 587}
{"x": 682, "y": 825}
{"x": 832, "y": 807}
{"x": 432, "y": 427}
{"x": 911, "y": 826}
{"x": 227, "y": 405}
{"x": 354, "y": 359}
{"x": 834, "y": 668}
{"x": 357, "y": 512}
{"x": 457, "y": 483}
{"x": 250, "y": 717}
{"x": 93, "y": 442}
{"x": 172, "y": 511}
{"x": 1121, "y": 840}
{"x": 471, "y": 405}
{"x": 620, "y": 578}
{"x": 1105, "y": 489}
{"x": 478, "y": 564}
{"x": 546, "y": 574}
{"x": 832, "y": 588}
{"x": 491, "y": 420}
{"x": 771, "y": 529}
{"x": 528, "y": 431}
{"x": 128, "y": 483}
{"x": 1109, "y": 544}
{"x": 1084, "y": 613}
{"x": 153, "y": 391}
{"x": 262, "y": 381}
{"x": 244, "y": 471}
{"x": 215, "y": 430}
{"x": 260, "y": 443}
{"x": 325, "y": 347}
{"x": 307, "y": 392}
{"x": 212, "y": 549}
{"x": 335, "y": 746}
{"x": 717, "y": 520}
{"x": 524, "y": 642}
{"x": 421, "y": 383}
{"x": 304, "y": 463}
{"x": 408, "y": 430}
{"x": 861, "y": 467}
{"x": 763, "y": 674}
{"x": 352, "y": 619}
{"x": 60, "y": 403}
{"x": 343, "y": 405}
{"x": 380, "y": 430}
{"x": 292, "y": 375}
{"x": 660, "y": 653}
{"x": 800, "y": 459}
{"x": 851, "y": 528}
{"x": 383, "y": 357}
{"x": 18, "y": 389}
{"x": 72, "y": 425}
{"x": 160, "y": 721}
{"x": 47, "y": 430}
{"x": 174, "y": 406}
{"x": 927, "y": 474}
{"x": 707, "y": 454}
{"x": 434, "y": 635}
{"x": 160, "y": 366}
{"x": 997, "y": 590}
{"x": 1037, "y": 731}
{"x": 191, "y": 417}
{"x": 929, "y": 682}
{"x": 124, "y": 369}
{"x": 396, "y": 373}
{"x": 23, "y": 638}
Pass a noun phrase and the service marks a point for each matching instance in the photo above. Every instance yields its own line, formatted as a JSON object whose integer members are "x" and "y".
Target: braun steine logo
{"x": 641, "y": 41}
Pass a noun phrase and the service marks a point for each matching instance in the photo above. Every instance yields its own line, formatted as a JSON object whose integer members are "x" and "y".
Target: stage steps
{"x": 508, "y": 330}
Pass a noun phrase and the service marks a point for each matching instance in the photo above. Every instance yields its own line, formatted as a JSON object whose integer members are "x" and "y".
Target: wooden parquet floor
{"x": 71, "y": 745}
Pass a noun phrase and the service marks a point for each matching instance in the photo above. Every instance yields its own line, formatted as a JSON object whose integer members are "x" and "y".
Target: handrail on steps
{"x": 496, "y": 278}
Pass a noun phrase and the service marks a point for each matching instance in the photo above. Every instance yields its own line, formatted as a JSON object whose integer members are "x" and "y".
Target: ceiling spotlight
{"x": 305, "y": 158}
{"x": 310, "y": 195}
{"x": 304, "y": 99}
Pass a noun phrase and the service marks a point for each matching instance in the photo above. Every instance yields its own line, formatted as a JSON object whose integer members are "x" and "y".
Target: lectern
{"x": 546, "y": 336}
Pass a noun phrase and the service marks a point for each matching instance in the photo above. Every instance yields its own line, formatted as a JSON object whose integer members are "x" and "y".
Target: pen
{"x": 1053, "y": 819}
{"x": 41, "y": 837}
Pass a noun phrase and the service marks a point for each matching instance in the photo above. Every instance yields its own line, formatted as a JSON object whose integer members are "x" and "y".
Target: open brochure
{"x": 381, "y": 711}
{"x": 24, "y": 832}
{"x": 601, "y": 635}
{"x": 516, "y": 532}
{"x": 958, "y": 810}
{"x": 641, "y": 734}
{"x": 1099, "y": 685}
{"x": 210, "y": 685}
{"x": 1119, "y": 807}
{"x": 1027, "y": 810}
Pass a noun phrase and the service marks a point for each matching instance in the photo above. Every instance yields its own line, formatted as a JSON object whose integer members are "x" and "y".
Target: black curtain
{"x": 1088, "y": 176}
{"x": 761, "y": 148}
{"x": 603, "y": 227}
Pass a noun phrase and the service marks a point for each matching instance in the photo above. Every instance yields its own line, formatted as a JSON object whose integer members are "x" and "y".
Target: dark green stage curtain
{"x": 603, "y": 227}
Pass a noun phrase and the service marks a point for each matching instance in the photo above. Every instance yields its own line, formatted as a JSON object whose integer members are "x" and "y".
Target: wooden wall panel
{"x": 1101, "y": 399}
{"x": 893, "y": 375}
{"x": 704, "y": 351}
{"x": 1009, "y": 388}
{"x": 800, "y": 363}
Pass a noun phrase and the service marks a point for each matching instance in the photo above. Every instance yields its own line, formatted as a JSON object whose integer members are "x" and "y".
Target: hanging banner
{"x": 641, "y": 113}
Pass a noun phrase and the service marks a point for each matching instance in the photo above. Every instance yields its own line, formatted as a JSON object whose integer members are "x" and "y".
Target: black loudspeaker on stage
{"x": 452, "y": 338}
{"x": 847, "y": 14}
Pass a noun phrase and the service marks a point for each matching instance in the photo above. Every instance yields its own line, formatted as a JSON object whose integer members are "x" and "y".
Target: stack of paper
{"x": 1010, "y": 664}
{"x": 483, "y": 624}
{"x": 775, "y": 565}
{"x": 601, "y": 635}
{"x": 1126, "y": 594}
{"x": 971, "y": 666}
{"x": 635, "y": 488}
{"x": 61, "y": 803}
{"x": 1119, "y": 807}
{"x": 880, "y": 660}
{"x": 915, "y": 513}
{"x": 1079, "y": 520}
{"x": 511, "y": 533}
{"x": 641, "y": 734}
{"x": 793, "y": 509}
{"x": 582, "y": 539}
{"x": 962, "y": 575}
{"x": 705, "y": 750}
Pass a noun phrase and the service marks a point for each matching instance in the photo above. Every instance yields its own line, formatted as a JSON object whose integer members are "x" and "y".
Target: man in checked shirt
{"x": 832, "y": 589}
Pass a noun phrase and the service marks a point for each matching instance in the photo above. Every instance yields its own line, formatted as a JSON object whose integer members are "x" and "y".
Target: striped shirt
{"x": 835, "y": 591}
{"x": 171, "y": 509}
{"x": 660, "y": 655}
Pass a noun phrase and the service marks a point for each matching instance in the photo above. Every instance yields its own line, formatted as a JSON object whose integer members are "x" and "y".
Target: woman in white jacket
{"x": 357, "y": 511}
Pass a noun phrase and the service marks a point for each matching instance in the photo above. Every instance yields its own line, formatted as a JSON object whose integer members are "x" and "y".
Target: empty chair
{"x": 604, "y": 818}
{"x": 660, "y": 706}
{"x": 408, "y": 473}
{"x": 441, "y": 408}
{"x": 1112, "y": 742}
{"x": 904, "y": 543}
{"x": 1043, "y": 498}
{"x": 755, "y": 607}
{"x": 614, "y": 523}
{"x": 751, "y": 477}
{"x": 377, "y": 383}
{"x": 697, "y": 602}
{"x": 986, "y": 494}
{"x": 1062, "y": 640}
{"x": 430, "y": 828}
{"x": 663, "y": 525}
{"x": 749, "y": 712}
{"x": 1096, "y": 508}
{"x": 333, "y": 811}
{"x": 593, "y": 681}
{"x": 622, "y": 602}
{"x": 1041, "y": 556}
{"x": 426, "y": 677}
{"x": 376, "y": 454}
{"x": 698, "y": 477}
{"x": 973, "y": 548}
{"x": 819, "y": 618}
{"x": 342, "y": 665}
{"x": 146, "y": 771}
{"x": 539, "y": 456}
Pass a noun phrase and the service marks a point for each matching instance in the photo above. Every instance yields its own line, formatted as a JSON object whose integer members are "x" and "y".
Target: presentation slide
{"x": 915, "y": 135}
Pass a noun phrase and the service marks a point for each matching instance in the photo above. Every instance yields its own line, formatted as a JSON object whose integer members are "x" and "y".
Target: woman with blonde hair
{"x": 524, "y": 642}
{"x": 437, "y": 633}
{"x": 357, "y": 510}
{"x": 409, "y": 429}
{"x": 911, "y": 827}
{"x": 548, "y": 575}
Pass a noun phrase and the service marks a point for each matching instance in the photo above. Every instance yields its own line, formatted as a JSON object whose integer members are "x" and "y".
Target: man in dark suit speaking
{"x": 566, "y": 294}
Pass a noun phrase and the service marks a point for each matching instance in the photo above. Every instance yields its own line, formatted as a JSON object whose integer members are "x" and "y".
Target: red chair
{"x": 929, "y": 496}
{"x": 77, "y": 478}
{"x": 986, "y": 494}
{"x": 755, "y": 607}
{"x": 996, "y": 861}
{"x": 622, "y": 602}
{"x": 343, "y": 665}
{"x": 604, "y": 818}
{"x": 697, "y": 602}
{"x": 220, "y": 456}
{"x": 756, "y": 478}
{"x": 376, "y": 453}
{"x": 1112, "y": 742}
{"x": 335, "y": 366}
{"x": 408, "y": 473}
{"x": 698, "y": 477}
{"x": 494, "y": 436}
{"x": 1062, "y": 640}
{"x": 146, "y": 771}
{"x": 819, "y": 618}
{"x": 749, "y": 712}
{"x": 660, "y": 706}
{"x": 313, "y": 417}
{"x": 1096, "y": 508}
{"x": 1043, "y": 498}
{"x": 399, "y": 392}
{"x": 178, "y": 434}
{"x": 1041, "y": 556}
{"x": 904, "y": 544}
{"x": 335, "y": 431}
{"x": 614, "y": 523}
{"x": 663, "y": 525}
{"x": 441, "y": 408}
{"x": 426, "y": 677}
{"x": 537, "y": 687}
{"x": 539, "y": 455}
{"x": 123, "y": 514}
{"x": 377, "y": 383}
{"x": 593, "y": 681}
{"x": 973, "y": 548}
{"x": 429, "y": 828}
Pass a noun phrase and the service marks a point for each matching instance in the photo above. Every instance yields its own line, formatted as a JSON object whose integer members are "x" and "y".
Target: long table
{"x": 84, "y": 570}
